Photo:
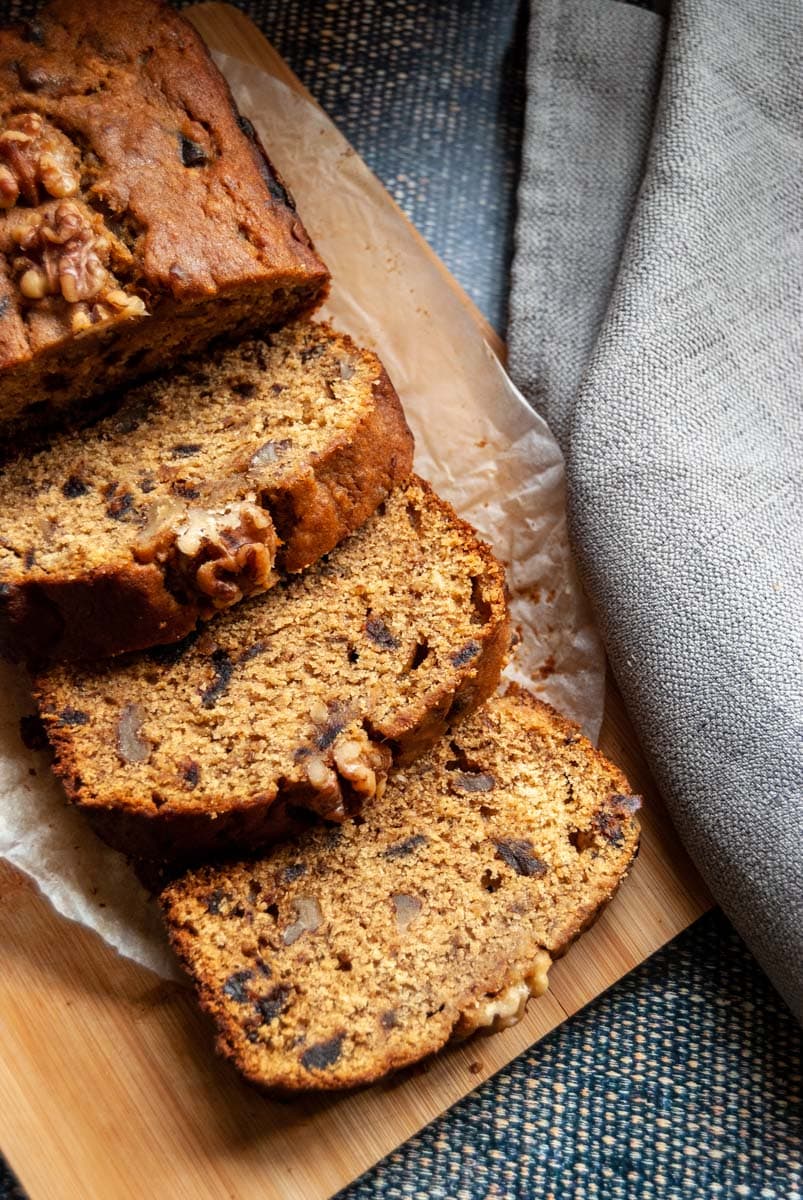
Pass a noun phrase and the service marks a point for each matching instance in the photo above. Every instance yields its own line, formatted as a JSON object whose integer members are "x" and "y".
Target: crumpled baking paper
{"x": 477, "y": 441}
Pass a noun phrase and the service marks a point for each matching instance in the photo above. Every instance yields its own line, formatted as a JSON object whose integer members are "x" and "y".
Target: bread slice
{"x": 299, "y": 699}
{"x": 360, "y": 949}
{"x": 139, "y": 214}
{"x": 187, "y": 498}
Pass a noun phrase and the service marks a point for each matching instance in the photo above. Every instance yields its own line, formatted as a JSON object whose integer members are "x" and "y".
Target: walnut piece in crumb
{"x": 352, "y": 761}
{"x": 506, "y": 1008}
{"x": 224, "y": 553}
{"x": 63, "y": 249}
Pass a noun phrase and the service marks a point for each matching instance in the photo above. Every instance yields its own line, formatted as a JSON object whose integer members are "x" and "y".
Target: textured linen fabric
{"x": 683, "y": 426}
{"x": 592, "y": 82}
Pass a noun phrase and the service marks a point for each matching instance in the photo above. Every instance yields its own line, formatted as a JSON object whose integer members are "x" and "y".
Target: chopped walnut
{"x": 538, "y": 978}
{"x": 63, "y": 249}
{"x": 68, "y": 251}
{"x": 115, "y": 303}
{"x": 226, "y": 553}
{"x": 308, "y": 919}
{"x": 131, "y": 745}
{"x": 406, "y": 909}
{"x": 506, "y": 1008}
{"x": 328, "y": 794}
{"x": 159, "y": 535}
{"x": 36, "y": 158}
{"x": 343, "y": 757}
{"x": 360, "y": 761}
{"x": 319, "y": 712}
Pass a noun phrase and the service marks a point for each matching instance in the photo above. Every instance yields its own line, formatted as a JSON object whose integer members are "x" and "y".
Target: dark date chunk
{"x": 180, "y": 487}
{"x": 244, "y": 388}
{"x": 214, "y": 901}
{"x": 73, "y": 716}
{"x": 192, "y": 155}
{"x": 519, "y": 855}
{"x": 608, "y": 821}
{"x": 271, "y": 1007}
{"x": 324, "y": 1055}
{"x": 275, "y": 186}
{"x": 74, "y": 487}
{"x": 235, "y": 988}
{"x": 464, "y": 655}
{"x": 405, "y": 848}
{"x": 190, "y": 773}
{"x": 379, "y": 633}
{"x": 293, "y": 872}
{"x": 251, "y": 653}
{"x": 121, "y": 506}
{"x": 224, "y": 669}
{"x": 329, "y": 734}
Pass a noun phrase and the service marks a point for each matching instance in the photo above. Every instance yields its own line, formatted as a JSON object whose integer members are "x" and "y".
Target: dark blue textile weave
{"x": 684, "y": 1080}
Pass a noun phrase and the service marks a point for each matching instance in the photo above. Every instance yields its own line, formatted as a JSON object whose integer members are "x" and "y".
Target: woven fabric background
{"x": 684, "y": 1080}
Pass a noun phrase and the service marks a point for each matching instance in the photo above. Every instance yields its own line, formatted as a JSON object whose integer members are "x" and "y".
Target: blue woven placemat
{"x": 684, "y": 1080}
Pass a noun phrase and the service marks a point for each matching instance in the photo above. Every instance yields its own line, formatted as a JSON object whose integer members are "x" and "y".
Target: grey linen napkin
{"x": 656, "y": 322}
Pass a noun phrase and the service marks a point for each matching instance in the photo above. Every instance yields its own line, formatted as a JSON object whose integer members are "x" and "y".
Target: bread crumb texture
{"x": 302, "y": 697}
{"x": 362, "y": 948}
{"x": 183, "y": 500}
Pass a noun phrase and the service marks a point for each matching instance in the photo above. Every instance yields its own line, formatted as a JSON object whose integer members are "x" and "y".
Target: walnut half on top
{"x": 63, "y": 249}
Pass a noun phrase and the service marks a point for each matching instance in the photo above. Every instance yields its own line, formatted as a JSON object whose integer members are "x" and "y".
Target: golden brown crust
{"x": 205, "y": 241}
{"x": 333, "y": 723}
{"x": 286, "y": 1016}
{"x": 346, "y": 482}
{"x": 93, "y": 612}
{"x": 91, "y": 617}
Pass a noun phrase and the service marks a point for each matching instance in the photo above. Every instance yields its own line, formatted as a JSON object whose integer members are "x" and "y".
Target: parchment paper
{"x": 477, "y": 440}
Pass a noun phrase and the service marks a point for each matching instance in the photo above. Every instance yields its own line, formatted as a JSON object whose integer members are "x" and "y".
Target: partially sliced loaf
{"x": 183, "y": 501}
{"x": 360, "y": 949}
{"x": 139, "y": 214}
{"x": 301, "y": 697}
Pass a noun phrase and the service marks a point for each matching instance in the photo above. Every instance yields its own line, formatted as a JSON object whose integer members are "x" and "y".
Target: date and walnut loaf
{"x": 356, "y": 950}
{"x": 254, "y": 457}
{"x": 297, "y": 700}
{"x": 139, "y": 214}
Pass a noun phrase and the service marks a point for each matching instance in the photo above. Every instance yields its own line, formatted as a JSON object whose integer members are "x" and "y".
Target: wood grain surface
{"x": 108, "y": 1084}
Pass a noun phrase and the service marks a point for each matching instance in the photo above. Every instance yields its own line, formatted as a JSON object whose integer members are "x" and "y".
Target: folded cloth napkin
{"x": 656, "y": 322}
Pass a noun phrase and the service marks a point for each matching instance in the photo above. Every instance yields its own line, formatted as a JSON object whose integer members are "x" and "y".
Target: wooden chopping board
{"x": 108, "y": 1084}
